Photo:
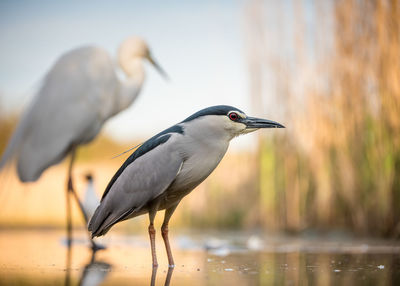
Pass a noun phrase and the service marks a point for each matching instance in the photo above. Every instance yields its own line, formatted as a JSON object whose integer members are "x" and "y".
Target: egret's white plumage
{"x": 79, "y": 93}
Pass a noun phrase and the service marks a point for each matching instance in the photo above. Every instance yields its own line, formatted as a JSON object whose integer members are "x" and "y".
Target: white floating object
{"x": 224, "y": 251}
{"x": 254, "y": 243}
{"x": 381, "y": 266}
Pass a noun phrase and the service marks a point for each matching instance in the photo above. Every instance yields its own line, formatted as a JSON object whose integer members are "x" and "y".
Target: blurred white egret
{"x": 79, "y": 93}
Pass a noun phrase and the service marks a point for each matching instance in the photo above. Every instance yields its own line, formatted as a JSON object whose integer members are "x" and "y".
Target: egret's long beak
{"x": 255, "y": 123}
{"x": 158, "y": 67}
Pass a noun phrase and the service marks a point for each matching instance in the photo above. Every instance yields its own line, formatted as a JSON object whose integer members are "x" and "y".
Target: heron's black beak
{"x": 158, "y": 67}
{"x": 255, "y": 123}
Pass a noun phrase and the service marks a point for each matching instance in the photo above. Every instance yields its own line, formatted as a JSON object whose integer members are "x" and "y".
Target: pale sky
{"x": 198, "y": 43}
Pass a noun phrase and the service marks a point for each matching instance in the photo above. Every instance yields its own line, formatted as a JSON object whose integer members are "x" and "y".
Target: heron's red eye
{"x": 233, "y": 116}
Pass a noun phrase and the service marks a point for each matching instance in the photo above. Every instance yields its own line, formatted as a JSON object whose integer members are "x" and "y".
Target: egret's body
{"x": 77, "y": 97}
{"x": 79, "y": 93}
{"x": 169, "y": 166}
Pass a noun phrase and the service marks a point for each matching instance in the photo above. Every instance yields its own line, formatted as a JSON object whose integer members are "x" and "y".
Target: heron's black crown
{"x": 212, "y": 110}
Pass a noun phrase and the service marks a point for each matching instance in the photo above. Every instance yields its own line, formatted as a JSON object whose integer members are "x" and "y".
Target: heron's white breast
{"x": 202, "y": 146}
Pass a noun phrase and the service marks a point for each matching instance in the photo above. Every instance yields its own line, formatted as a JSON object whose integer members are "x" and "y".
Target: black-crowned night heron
{"x": 169, "y": 166}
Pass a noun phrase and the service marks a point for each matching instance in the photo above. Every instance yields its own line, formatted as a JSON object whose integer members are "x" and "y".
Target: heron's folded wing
{"x": 139, "y": 183}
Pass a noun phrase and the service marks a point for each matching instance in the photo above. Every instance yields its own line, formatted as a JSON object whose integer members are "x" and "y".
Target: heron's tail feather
{"x": 97, "y": 221}
{"x": 103, "y": 219}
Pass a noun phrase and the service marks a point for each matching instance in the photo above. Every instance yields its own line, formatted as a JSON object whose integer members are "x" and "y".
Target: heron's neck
{"x": 131, "y": 86}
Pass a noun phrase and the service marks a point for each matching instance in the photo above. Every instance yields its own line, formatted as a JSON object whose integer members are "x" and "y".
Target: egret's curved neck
{"x": 131, "y": 86}
{"x": 134, "y": 70}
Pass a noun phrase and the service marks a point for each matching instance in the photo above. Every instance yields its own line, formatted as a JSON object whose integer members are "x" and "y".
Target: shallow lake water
{"x": 202, "y": 258}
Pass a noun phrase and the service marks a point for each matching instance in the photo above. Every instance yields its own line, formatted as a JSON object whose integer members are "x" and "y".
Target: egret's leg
{"x": 95, "y": 246}
{"x": 67, "y": 281}
{"x": 71, "y": 190}
{"x": 78, "y": 201}
{"x": 152, "y": 234}
{"x": 69, "y": 223}
{"x": 164, "y": 232}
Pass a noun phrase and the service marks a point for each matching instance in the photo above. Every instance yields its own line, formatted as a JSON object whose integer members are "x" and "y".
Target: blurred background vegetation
{"x": 336, "y": 165}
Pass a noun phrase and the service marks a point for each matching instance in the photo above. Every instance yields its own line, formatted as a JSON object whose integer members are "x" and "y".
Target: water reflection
{"x": 94, "y": 273}
{"x": 167, "y": 277}
{"x": 38, "y": 258}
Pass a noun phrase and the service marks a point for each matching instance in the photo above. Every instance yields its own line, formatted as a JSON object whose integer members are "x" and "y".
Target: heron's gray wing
{"x": 138, "y": 184}
{"x": 69, "y": 109}
{"x": 147, "y": 146}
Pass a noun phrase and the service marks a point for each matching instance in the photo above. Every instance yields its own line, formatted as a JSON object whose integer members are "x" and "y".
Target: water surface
{"x": 202, "y": 258}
